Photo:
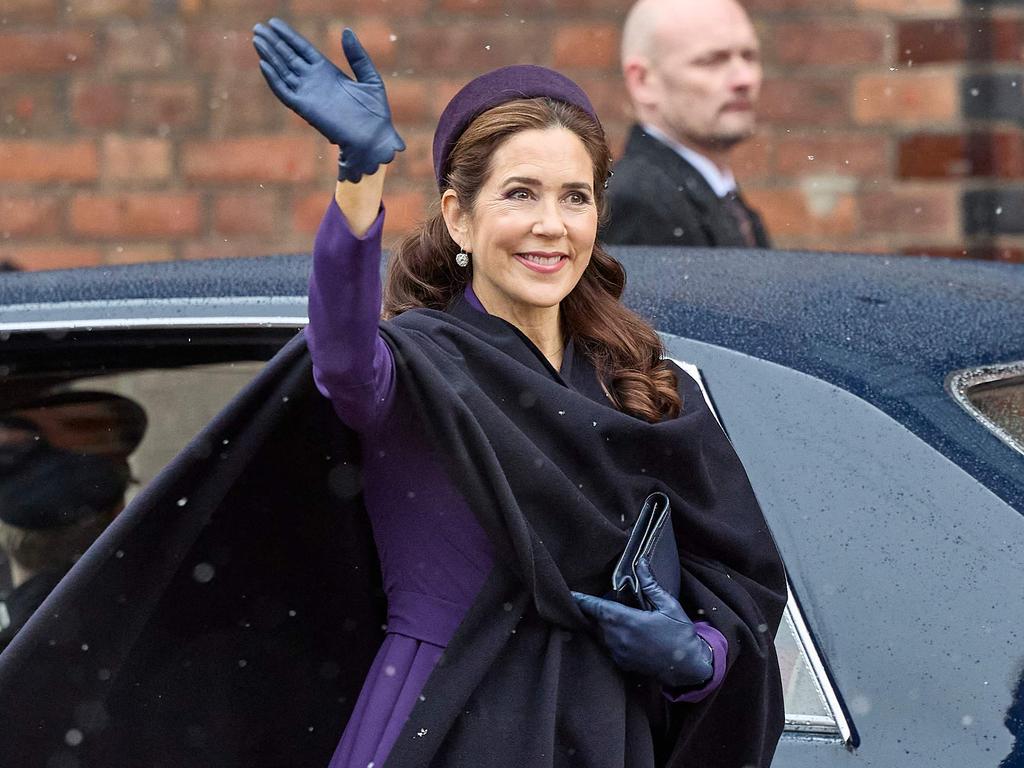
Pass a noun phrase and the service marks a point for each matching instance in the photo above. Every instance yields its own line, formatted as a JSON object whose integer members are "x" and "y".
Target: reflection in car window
{"x": 63, "y": 477}
{"x": 178, "y": 403}
{"x": 995, "y": 396}
{"x": 74, "y": 453}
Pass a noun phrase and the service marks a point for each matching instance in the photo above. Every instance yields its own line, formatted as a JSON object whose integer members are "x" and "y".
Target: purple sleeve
{"x": 720, "y": 651}
{"x": 352, "y": 365}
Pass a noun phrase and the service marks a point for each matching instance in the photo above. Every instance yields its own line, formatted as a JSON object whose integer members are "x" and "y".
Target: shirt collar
{"x": 474, "y": 302}
{"x": 721, "y": 182}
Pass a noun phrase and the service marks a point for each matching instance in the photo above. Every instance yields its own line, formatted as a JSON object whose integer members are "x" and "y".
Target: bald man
{"x": 693, "y": 72}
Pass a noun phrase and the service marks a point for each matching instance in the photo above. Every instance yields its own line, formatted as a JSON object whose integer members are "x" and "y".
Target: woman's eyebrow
{"x": 537, "y": 183}
{"x": 577, "y": 185}
{"x": 522, "y": 180}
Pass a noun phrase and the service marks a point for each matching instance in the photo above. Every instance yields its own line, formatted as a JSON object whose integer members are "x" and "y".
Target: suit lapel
{"x": 720, "y": 229}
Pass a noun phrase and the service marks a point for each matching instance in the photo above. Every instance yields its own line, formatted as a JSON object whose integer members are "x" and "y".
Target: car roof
{"x": 281, "y": 275}
{"x": 919, "y": 312}
{"x": 177, "y": 292}
{"x": 888, "y": 329}
{"x": 798, "y": 307}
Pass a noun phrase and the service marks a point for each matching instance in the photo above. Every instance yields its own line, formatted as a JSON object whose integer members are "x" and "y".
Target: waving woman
{"x": 513, "y": 416}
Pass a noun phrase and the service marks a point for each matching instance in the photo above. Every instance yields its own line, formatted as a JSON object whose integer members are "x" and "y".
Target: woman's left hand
{"x": 660, "y": 643}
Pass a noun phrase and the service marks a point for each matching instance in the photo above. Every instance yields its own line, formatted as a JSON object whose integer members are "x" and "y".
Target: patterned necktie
{"x": 740, "y": 214}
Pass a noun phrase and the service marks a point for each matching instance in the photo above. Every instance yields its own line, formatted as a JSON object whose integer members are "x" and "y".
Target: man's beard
{"x": 724, "y": 140}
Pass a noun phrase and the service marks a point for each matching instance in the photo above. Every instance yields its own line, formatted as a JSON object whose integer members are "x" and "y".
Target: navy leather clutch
{"x": 652, "y": 538}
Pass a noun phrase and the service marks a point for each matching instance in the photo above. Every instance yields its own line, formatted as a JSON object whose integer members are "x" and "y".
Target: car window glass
{"x": 811, "y": 705}
{"x": 74, "y": 453}
{"x": 994, "y": 395}
{"x": 178, "y": 404}
{"x": 1003, "y": 403}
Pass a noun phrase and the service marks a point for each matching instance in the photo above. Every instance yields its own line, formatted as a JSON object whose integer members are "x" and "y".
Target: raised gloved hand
{"x": 660, "y": 643}
{"x": 354, "y": 114}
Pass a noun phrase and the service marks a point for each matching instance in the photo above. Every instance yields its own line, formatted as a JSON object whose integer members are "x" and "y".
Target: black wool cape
{"x": 229, "y": 615}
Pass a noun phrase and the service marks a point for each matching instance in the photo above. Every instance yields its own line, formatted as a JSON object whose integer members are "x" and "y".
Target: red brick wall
{"x": 135, "y": 130}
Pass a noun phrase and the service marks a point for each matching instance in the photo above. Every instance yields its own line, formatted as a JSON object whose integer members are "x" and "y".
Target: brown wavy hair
{"x": 625, "y": 350}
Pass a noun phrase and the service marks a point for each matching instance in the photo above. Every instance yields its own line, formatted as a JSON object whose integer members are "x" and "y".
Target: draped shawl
{"x": 229, "y": 615}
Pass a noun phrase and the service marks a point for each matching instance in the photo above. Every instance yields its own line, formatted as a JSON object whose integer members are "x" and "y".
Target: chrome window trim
{"x": 186, "y": 301}
{"x": 282, "y": 311}
{"x": 240, "y": 321}
{"x": 958, "y": 382}
{"x": 813, "y": 724}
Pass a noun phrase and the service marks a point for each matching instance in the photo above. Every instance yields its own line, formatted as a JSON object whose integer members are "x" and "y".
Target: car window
{"x": 178, "y": 403}
{"x": 89, "y": 419}
{"x": 994, "y": 395}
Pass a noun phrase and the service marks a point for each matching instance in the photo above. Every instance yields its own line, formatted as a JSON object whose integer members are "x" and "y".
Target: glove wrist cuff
{"x": 707, "y": 659}
{"x": 700, "y": 672}
{"x": 347, "y": 172}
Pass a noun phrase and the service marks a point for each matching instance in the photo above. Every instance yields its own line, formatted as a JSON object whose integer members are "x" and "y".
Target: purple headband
{"x": 520, "y": 81}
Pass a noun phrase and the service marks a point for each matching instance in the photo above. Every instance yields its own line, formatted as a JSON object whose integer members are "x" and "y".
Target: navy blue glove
{"x": 354, "y": 114}
{"x": 660, "y": 643}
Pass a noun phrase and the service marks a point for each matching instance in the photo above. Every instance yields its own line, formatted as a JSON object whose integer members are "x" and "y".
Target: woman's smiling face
{"x": 533, "y": 224}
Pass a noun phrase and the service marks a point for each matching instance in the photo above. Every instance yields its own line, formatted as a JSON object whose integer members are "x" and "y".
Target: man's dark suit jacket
{"x": 657, "y": 198}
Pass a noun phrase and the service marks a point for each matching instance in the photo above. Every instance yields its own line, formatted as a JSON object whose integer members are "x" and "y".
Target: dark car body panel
{"x": 906, "y": 568}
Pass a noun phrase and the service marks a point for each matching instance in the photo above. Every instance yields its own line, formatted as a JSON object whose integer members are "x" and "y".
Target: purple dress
{"x": 434, "y": 556}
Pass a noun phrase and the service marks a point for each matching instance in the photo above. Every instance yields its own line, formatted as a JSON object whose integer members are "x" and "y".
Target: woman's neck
{"x": 551, "y": 345}
{"x": 541, "y": 325}
{"x": 544, "y": 331}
